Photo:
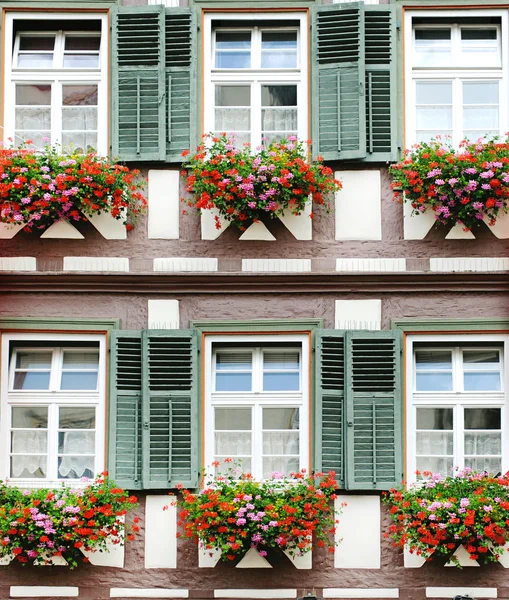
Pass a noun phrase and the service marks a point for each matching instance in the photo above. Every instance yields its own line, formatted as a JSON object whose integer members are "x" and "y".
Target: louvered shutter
{"x": 374, "y": 448}
{"x": 170, "y": 408}
{"x": 339, "y": 112}
{"x": 180, "y": 76}
{"x": 124, "y": 440}
{"x": 381, "y": 83}
{"x": 329, "y": 402}
{"x": 138, "y": 90}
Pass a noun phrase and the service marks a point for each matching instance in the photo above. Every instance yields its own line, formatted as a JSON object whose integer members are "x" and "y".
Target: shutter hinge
{"x": 145, "y": 425}
{"x": 161, "y": 98}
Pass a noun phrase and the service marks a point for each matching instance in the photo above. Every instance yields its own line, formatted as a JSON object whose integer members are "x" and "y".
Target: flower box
{"x": 452, "y": 517}
{"x": 243, "y": 187}
{"x": 63, "y": 526}
{"x": 41, "y": 188}
{"x": 464, "y": 186}
{"x": 235, "y": 515}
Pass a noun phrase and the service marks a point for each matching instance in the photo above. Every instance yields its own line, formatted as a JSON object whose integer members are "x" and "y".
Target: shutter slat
{"x": 373, "y": 406}
{"x": 339, "y": 120}
{"x": 138, "y": 130}
{"x": 170, "y": 409}
{"x": 329, "y": 401}
{"x": 124, "y": 440}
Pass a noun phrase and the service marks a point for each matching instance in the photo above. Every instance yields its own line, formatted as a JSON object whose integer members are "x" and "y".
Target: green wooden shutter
{"x": 170, "y": 408}
{"x": 138, "y": 89}
{"x": 374, "y": 448}
{"x": 329, "y": 402}
{"x": 381, "y": 83}
{"x": 124, "y": 440}
{"x": 339, "y": 112}
{"x": 180, "y": 57}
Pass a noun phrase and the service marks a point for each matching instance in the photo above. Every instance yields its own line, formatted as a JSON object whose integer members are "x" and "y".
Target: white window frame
{"x": 53, "y": 398}
{"x": 57, "y": 76}
{"x": 257, "y": 77}
{"x": 257, "y": 399}
{"x": 454, "y": 73}
{"x": 457, "y": 399}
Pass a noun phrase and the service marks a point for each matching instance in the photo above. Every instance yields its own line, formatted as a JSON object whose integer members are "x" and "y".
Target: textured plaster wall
{"x": 95, "y": 582}
{"x": 141, "y": 250}
{"x": 133, "y": 309}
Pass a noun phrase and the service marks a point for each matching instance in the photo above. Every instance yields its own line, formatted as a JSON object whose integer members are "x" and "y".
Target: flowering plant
{"x": 242, "y": 186}
{"x": 38, "y": 188}
{"x": 462, "y": 186}
{"x": 439, "y": 513}
{"x": 234, "y": 513}
{"x": 37, "y": 525}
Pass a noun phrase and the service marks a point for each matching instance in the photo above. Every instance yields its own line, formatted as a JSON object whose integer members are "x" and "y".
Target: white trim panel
{"x": 276, "y": 265}
{"x": 163, "y": 314}
{"x": 18, "y": 263}
{"x": 163, "y": 204}
{"x": 177, "y": 265}
{"x": 359, "y": 187}
{"x": 450, "y": 592}
{"x": 358, "y": 533}
{"x": 371, "y": 265}
{"x": 161, "y": 534}
{"x": 358, "y": 314}
{"x": 148, "y": 593}
{"x": 43, "y": 591}
{"x": 451, "y": 265}
{"x": 244, "y": 593}
{"x": 108, "y": 264}
{"x": 361, "y": 593}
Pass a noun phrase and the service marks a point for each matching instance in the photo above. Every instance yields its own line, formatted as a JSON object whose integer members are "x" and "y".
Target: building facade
{"x": 350, "y": 341}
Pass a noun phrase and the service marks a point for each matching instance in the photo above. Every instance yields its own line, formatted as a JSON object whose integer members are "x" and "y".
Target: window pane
{"x": 434, "y": 443}
{"x": 434, "y": 418}
{"x": 81, "y": 61}
{"x": 233, "y": 95}
{"x": 233, "y": 50}
{"x": 279, "y": 464}
{"x": 24, "y": 442}
{"x": 480, "y": 92}
{"x": 478, "y": 34}
{"x": 77, "y": 418}
{"x": 481, "y": 359}
{"x": 490, "y": 465}
{"x": 433, "y": 47}
{"x": 280, "y": 418}
{"x": 434, "y": 382}
{"x": 36, "y": 42}
{"x": 278, "y": 382}
{"x": 29, "y": 467}
{"x": 434, "y": 92}
{"x": 75, "y": 42}
{"x": 279, "y": 95}
{"x": 78, "y": 380}
{"x": 280, "y": 360}
{"x": 430, "y": 35}
{"x": 233, "y": 418}
{"x": 277, "y": 442}
{"x": 433, "y": 360}
{"x": 480, "y": 47}
{"x": 33, "y": 360}
{"x": 482, "y": 382}
{"x": 30, "y": 417}
{"x": 435, "y": 118}
{"x": 35, "y": 61}
{"x": 240, "y": 361}
{"x": 233, "y": 382}
{"x": 75, "y": 467}
{"x": 483, "y": 444}
{"x": 232, "y": 444}
{"x": 81, "y": 360}
{"x": 435, "y": 464}
{"x": 279, "y": 50}
{"x": 80, "y": 95}
{"x": 76, "y": 442}
{"x": 31, "y": 380}
{"x": 482, "y": 418}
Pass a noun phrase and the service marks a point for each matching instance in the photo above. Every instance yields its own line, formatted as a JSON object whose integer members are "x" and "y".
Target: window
{"x": 457, "y": 75}
{"x": 256, "y": 76}
{"x": 52, "y": 407}
{"x": 56, "y": 80}
{"x": 458, "y": 393}
{"x": 257, "y": 403}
